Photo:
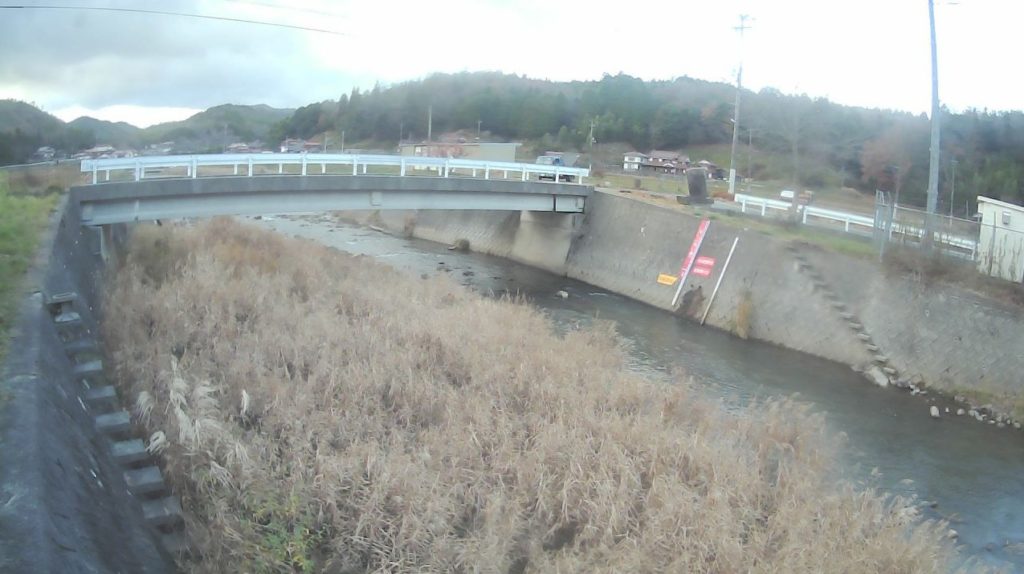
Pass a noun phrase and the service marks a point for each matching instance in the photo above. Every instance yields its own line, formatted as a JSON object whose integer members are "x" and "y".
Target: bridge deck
{"x": 147, "y": 200}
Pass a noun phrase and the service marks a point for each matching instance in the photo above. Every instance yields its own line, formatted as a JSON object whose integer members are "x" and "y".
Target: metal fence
{"x": 898, "y": 224}
{"x": 994, "y": 249}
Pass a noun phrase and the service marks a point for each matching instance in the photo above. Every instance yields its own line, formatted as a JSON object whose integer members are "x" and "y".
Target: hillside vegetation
{"x": 24, "y": 129}
{"x": 318, "y": 411}
{"x": 825, "y": 144}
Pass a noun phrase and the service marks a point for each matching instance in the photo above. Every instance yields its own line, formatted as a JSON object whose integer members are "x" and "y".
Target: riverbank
{"x": 898, "y": 328}
{"x": 322, "y": 410}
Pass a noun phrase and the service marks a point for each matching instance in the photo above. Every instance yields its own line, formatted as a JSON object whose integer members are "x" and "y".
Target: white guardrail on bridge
{"x": 145, "y": 166}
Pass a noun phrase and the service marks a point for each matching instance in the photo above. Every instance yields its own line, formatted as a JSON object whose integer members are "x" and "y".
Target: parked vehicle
{"x": 555, "y": 158}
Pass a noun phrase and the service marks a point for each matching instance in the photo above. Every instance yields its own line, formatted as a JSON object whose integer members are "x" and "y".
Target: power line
{"x": 288, "y": 8}
{"x": 170, "y": 13}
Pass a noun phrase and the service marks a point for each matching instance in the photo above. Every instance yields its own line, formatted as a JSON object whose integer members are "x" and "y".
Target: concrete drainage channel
{"x": 78, "y": 491}
{"x": 142, "y": 477}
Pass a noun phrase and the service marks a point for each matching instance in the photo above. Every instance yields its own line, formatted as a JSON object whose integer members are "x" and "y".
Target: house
{"x": 293, "y": 145}
{"x": 658, "y": 161}
{"x": 632, "y": 161}
{"x": 44, "y": 153}
{"x": 486, "y": 151}
{"x": 99, "y": 151}
{"x": 1001, "y": 241}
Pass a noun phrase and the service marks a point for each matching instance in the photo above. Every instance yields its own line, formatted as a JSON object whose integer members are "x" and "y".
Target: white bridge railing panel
{"x": 442, "y": 167}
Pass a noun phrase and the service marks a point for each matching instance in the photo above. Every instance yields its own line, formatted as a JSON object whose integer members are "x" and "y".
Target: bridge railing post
{"x": 250, "y": 168}
{"x": 234, "y": 169}
{"x": 138, "y": 171}
{"x": 401, "y": 169}
{"x": 524, "y": 174}
{"x": 487, "y": 171}
{"x": 95, "y": 174}
{"x": 303, "y": 163}
{"x": 195, "y": 167}
{"x": 446, "y": 168}
{"x": 355, "y": 165}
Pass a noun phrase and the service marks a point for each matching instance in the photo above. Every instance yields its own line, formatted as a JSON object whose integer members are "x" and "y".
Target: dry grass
{"x": 321, "y": 412}
{"x": 744, "y": 311}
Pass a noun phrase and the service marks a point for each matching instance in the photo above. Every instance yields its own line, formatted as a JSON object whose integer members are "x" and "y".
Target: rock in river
{"x": 934, "y": 411}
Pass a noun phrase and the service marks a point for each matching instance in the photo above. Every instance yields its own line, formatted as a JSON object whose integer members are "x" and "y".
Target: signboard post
{"x": 691, "y": 255}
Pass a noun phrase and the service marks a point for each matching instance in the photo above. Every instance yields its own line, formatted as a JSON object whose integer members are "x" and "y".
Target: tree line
{"x": 869, "y": 148}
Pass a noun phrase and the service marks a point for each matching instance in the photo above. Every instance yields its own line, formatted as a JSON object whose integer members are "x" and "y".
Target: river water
{"x": 971, "y": 473}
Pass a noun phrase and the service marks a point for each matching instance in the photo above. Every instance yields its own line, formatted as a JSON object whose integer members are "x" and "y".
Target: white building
{"x": 633, "y": 160}
{"x": 1001, "y": 243}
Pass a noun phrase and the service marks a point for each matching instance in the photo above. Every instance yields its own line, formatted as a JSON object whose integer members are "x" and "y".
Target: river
{"x": 972, "y": 474}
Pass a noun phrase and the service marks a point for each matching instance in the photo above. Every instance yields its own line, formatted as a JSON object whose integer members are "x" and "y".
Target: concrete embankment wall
{"x": 64, "y": 506}
{"x": 952, "y": 339}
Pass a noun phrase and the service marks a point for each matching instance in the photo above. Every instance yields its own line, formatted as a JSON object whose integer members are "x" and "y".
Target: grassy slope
{"x": 22, "y": 220}
{"x": 322, "y": 411}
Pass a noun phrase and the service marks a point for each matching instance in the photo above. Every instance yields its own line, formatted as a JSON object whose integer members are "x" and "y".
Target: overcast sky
{"x": 145, "y": 69}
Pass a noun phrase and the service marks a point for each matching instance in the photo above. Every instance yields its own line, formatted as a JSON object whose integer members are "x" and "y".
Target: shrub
{"x": 330, "y": 413}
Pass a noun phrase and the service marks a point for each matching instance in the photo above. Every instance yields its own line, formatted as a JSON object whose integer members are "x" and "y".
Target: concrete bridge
{"x": 124, "y": 202}
{"x": 168, "y": 187}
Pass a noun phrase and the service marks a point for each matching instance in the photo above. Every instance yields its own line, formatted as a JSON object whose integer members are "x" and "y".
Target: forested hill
{"x": 24, "y": 128}
{"x": 869, "y": 148}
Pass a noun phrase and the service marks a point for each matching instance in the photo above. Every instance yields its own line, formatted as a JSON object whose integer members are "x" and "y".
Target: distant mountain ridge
{"x": 25, "y": 128}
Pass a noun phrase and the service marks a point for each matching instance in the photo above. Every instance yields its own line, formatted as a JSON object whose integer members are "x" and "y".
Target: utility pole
{"x": 478, "y": 124}
{"x": 401, "y": 132}
{"x": 342, "y": 141}
{"x": 952, "y": 191}
{"x": 590, "y": 142}
{"x": 750, "y": 155}
{"x": 933, "y": 160}
{"x": 736, "y": 111}
{"x": 430, "y": 122}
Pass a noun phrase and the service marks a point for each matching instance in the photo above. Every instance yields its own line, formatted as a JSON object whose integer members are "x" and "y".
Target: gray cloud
{"x": 95, "y": 59}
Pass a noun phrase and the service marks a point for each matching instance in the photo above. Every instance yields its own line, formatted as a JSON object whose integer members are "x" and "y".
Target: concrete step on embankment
{"x": 855, "y": 325}
{"x": 58, "y": 302}
{"x": 101, "y": 398}
{"x": 88, "y": 369}
{"x": 881, "y": 359}
{"x": 162, "y": 511}
{"x": 115, "y": 423}
{"x": 890, "y": 371}
{"x": 127, "y": 452}
{"x": 871, "y": 347}
{"x": 864, "y": 337}
{"x": 146, "y": 480}
{"x": 80, "y": 346}
{"x": 68, "y": 319}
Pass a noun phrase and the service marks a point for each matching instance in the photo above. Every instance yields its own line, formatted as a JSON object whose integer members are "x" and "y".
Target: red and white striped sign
{"x": 703, "y": 266}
